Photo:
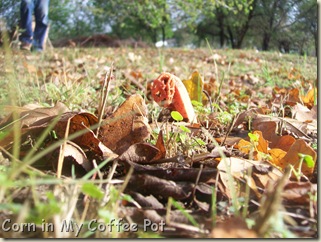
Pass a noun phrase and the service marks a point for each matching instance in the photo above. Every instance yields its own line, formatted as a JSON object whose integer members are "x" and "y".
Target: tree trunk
{"x": 220, "y": 19}
{"x": 266, "y": 41}
{"x": 316, "y": 44}
{"x": 163, "y": 34}
{"x": 230, "y": 33}
{"x": 241, "y": 31}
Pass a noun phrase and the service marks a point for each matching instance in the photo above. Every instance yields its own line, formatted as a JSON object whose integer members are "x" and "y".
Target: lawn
{"x": 73, "y": 164}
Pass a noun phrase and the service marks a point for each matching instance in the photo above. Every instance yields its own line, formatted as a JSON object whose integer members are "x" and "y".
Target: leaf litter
{"x": 247, "y": 157}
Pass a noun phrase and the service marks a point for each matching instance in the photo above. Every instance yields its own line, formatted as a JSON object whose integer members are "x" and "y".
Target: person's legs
{"x": 41, "y": 15}
{"x": 26, "y": 11}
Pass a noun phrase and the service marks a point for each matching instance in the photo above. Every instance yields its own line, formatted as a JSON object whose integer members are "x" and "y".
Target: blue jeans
{"x": 40, "y": 8}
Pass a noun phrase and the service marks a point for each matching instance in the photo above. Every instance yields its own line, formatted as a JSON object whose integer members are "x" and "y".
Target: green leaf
{"x": 127, "y": 198}
{"x": 185, "y": 129}
{"x": 309, "y": 161}
{"x": 176, "y": 116}
{"x": 253, "y": 137}
{"x": 92, "y": 191}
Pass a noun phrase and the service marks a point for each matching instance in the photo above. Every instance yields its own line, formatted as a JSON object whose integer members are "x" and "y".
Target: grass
{"x": 75, "y": 77}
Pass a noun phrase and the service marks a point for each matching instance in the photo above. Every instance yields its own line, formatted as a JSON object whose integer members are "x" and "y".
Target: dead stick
{"x": 104, "y": 95}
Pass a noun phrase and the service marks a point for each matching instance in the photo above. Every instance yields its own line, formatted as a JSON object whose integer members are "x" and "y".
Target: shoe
{"x": 37, "y": 50}
{"x": 25, "y": 46}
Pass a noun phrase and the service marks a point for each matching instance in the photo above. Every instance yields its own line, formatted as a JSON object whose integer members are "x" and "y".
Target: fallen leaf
{"x": 244, "y": 146}
{"x": 160, "y": 146}
{"x": 30, "y": 114}
{"x": 126, "y": 126}
{"x": 293, "y": 97}
{"x": 261, "y": 174}
{"x": 80, "y": 122}
{"x": 299, "y": 193}
{"x": 282, "y": 142}
{"x": 276, "y": 155}
{"x": 141, "y": 153}
{"x": 292, "y": 157}
{"x": 233, "y": 227}
{"x": 146, "y": 201}
{"x": 308, "y": 99}
{"x": 262, "y": 143}
{"x": 303, "y": 114}
{"x": 194, "y": 86}
{"x": 160, "y": 188}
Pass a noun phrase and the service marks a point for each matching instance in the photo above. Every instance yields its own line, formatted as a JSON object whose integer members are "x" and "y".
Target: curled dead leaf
{"x": 126, "y": 126}
{"x": 81, "y": 123}
{"x": 141, "y": 153}
{"x": 292, "y": 157}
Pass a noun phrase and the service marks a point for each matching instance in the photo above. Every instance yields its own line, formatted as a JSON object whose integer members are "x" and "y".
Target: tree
{"x": 306, "y": 25}
{"x": 273, "y": 16}
{"x": 70, "y": 18}
{"x": 229, "y": 19}
{"x": 238, "y": 26}
{"x": 9, "y": 13}
{"x": 151, "y": 17}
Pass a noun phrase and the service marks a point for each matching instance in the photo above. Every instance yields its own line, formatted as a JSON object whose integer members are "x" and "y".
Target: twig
{"x": 104, "y": 95}
{"x": 270, "y": 205}
{"x": 197, "y": 180}
{"x": 230, "y": 128}
{"x": 62, "y": 150}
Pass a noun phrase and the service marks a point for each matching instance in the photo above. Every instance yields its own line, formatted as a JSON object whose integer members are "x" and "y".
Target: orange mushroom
{"x": 169, "y": 92}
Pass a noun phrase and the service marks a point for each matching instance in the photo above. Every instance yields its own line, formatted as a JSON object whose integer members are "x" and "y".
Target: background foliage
{"x": 284, "y": 25}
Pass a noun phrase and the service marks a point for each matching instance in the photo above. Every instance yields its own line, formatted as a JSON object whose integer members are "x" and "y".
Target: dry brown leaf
{"x": 256, "y": 147}
{"x": 238, "y": 168}
{"x": 32, "y": 122}
{"x": 146, "y": 201}
{"x": 299, "y": 192}
{"x": 32, "y": 113}
{"x": 126, "y": 126}
{"x": 160, "y": 188}
{"x": 267, "y": 127}
{"x": 233, "y": 227}
{"x": 262, "y": 174}
{"x": 293, "y": 97}
{"x": 303, "y": 114}
{"x": 30, "y": 68}
{"x": 292, "y": 157}
{"x": 80, "y": 122}
{"x": 282, "y": 142}
{"x": 229, "y": 141}
{"x": 160, "y": 146}
{"x": 141, "y": 153}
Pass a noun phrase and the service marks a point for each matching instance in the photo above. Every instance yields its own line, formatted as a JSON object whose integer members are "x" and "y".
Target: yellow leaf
{"x": 194, "y": 86}
{"x": 244, "y": 146}
{"x": 262, "y": 143}
{"x": 308, "y": 99}
{"x": 277, "y": 156}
